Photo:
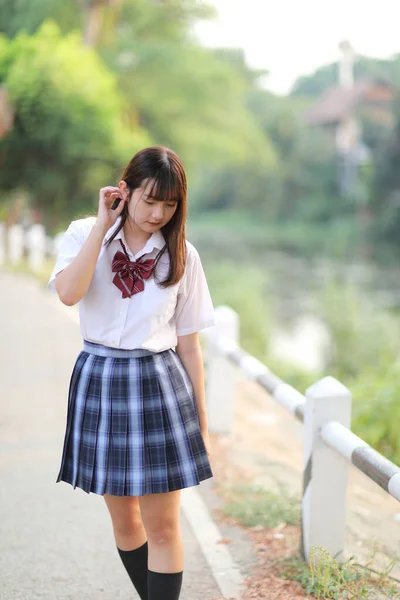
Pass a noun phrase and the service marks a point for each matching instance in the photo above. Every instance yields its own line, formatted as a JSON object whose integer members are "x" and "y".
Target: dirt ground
{"x": 266, "y": 448}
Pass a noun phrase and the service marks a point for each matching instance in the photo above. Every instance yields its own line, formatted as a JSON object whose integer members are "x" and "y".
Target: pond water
{"x": 294, "y": 282}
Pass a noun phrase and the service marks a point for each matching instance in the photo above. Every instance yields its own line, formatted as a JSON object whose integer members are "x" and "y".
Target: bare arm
{"x": 189, "y": 351}
{"x": 73, "y": 282}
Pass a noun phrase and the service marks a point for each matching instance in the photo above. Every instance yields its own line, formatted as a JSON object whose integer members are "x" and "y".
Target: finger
{"x": 107, "y": 191}
{"x": 121, "y": 206}
{"x": 110, "y": 199}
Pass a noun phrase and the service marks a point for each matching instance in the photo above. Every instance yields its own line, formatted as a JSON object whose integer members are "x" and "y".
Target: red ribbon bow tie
{"x": 130, "y": 275}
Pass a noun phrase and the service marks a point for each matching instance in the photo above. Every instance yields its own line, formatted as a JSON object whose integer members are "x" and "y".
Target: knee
{"x": 127, "y": 526}
{"x": 162, "y": 531}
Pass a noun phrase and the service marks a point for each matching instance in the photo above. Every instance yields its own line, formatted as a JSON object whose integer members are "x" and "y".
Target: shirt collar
{"x": 156, "y": 240}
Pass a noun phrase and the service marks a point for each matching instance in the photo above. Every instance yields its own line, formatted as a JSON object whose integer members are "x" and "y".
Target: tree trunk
{"x": 94, "y": 15}
{"x": 93, "y": 21}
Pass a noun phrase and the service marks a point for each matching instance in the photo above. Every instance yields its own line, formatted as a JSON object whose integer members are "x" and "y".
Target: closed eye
{"x": 170, "y": 205}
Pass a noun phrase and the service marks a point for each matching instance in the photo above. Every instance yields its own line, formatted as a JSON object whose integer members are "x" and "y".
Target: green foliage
{"x": 362, "y": 337}
{"x": 288, "y": 186}
{"x": 325, "y": 577}
{"x": 187, "y": 96}
{"x": 244, "y": 291}
{"x": 244, "y": 148}
{"x": 29, "y": 15}
{"x": 68, "y": 137}
{"x": 364, "y": 68}
{"x": 305, "y": 159}
{"x": 363, "y": 352}
{"x": 295, "y": 376}
{"x": 376, "y": 392}
{"x": 364, "y": 356}
{"x": 256, "y": 506}
{"x": 386, "y": 187}
{"x": 315, "y": 84}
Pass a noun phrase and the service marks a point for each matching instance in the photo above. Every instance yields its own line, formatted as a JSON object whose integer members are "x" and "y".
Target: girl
{"x": 136, "y": 429}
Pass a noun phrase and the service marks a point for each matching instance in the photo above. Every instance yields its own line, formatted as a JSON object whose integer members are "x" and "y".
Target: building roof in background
{"x": 339, "y": 102}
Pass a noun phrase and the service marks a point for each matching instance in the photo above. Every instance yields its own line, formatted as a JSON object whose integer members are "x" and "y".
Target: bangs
{"x": 167, "y": 186}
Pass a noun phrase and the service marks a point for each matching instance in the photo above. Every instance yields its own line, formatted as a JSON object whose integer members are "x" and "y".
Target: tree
{"x": 68, "y": 137}
{"x": 29, "y": 15}
{"x": 94, "y": 17}
{"x": 187, "y": 96}
{"x": 386, "y": 188}
{"x": 364, "y": 68}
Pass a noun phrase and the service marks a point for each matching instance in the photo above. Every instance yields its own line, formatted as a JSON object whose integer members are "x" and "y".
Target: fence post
{"x": 36, "y": 238}
{"x": 220, "y": 378}
{"x": 325, "y": 471}
{"x": 2, "y": 243}
{"x": 57, "y": 243}
{"x": 15, "y": 244}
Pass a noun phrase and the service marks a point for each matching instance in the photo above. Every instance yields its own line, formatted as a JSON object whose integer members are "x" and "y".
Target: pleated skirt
{"x": 132, "y": 425}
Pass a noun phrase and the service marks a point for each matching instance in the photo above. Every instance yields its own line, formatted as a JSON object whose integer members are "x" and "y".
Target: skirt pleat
{"x": 118, "y": 429}
{"x": 103, "y": 430}
{"x": 181, "y": 420}
{"x": 88, "y": 430}
{"x": 72, "y": 435}
{"x": 78, "y": 431}
{"x": 132, "y": 425}
{"x": 134, "y": 476}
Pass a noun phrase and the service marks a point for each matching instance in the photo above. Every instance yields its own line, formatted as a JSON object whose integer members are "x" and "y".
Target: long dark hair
{"x": 165, "y": 169}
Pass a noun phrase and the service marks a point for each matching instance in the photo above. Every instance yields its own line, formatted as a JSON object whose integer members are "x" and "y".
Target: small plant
{"x": 325, "y": 577}
{"x": 254, "y": 505}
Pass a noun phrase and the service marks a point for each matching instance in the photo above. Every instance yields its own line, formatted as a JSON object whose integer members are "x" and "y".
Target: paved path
{"x": 57, "y": 543}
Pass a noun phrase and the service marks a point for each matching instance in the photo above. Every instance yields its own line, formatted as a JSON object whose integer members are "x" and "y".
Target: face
{"x": 149, "y": 214}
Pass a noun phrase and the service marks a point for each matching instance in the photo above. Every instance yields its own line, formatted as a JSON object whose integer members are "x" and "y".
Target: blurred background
{"x": 287, "y": 119}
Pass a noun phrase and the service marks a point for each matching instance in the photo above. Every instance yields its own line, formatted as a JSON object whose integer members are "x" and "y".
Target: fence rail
{"x": 329, "y": 444}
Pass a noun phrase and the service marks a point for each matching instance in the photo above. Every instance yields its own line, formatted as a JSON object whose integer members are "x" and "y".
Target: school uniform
{"x": 132, "y": 425}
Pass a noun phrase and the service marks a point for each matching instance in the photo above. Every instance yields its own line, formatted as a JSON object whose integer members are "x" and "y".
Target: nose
{"x": 158, "y": 212}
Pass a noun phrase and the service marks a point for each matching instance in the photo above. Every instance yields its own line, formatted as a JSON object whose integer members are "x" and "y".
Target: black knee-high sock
{"x": 135, "y": 562}
{"x": 164, "y": 586}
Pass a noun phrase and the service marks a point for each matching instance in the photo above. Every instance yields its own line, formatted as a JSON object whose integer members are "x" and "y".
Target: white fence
{"x": 32, "y": 243}
{"x": 329, "y": 445}
{"x": 325, "y": 410}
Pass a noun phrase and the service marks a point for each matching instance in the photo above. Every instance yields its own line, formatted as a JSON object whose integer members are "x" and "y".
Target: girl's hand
{"x": 106, "y": 217}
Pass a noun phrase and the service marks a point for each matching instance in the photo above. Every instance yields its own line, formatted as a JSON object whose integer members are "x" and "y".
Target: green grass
{"x": 254, "y": 505}
{"x": 324, "y": 577}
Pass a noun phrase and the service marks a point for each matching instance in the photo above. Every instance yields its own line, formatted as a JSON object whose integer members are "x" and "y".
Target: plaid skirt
{"x": 132, "y": 424}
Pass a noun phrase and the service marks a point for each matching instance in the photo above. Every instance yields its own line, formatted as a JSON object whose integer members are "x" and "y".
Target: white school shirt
{"x": 151, "y": 319}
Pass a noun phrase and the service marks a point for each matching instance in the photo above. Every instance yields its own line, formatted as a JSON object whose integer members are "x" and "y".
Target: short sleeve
{"x": 194, "y": 309}
{"x": 70, "y": 246}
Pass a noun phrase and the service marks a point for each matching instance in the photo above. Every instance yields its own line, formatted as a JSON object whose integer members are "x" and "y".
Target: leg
{"x": 126, "y": 519}
{"x": 161, "y": 519}
{"x": 130, "y": 538}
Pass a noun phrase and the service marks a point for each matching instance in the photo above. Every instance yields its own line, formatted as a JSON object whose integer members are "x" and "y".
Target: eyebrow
{"x": 158, "y": 200}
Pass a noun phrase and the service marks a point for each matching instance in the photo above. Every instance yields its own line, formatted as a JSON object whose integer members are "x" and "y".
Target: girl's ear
{"x": 123, "y": 186}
